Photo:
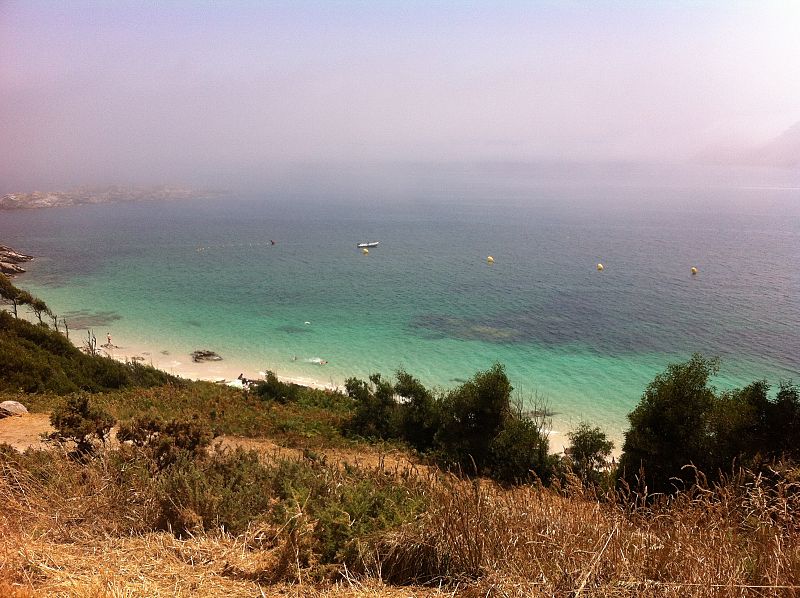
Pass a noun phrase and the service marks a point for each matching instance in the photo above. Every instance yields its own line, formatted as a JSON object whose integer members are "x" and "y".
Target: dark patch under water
{"x": 89, "y": 319}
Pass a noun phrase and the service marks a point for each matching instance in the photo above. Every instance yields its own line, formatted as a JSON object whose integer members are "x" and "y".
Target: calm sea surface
{"x": 203, "y": 274}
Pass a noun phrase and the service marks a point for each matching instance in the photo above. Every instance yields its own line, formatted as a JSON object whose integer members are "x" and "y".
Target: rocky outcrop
{"x": 205, "y": 355}
{"x": 10, "y": 260}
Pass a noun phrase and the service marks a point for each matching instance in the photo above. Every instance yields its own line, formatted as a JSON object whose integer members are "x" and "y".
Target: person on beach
{"x": 108, "y": 336}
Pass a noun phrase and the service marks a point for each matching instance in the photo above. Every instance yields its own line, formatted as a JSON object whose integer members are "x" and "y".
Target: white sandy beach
{"x": 181, "y": 364}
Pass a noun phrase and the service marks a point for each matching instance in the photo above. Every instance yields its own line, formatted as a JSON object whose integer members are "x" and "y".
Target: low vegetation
{"x": 704, "y": 501}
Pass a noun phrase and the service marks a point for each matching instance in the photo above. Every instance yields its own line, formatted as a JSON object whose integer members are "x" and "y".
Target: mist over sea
{"x": 203, "y": 274}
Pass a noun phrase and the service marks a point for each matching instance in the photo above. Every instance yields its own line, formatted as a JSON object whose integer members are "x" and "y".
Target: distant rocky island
{"x": 87, "y": 195}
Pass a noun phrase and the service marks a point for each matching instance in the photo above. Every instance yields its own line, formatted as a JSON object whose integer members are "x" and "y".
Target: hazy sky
{"x": 183, "y": 92}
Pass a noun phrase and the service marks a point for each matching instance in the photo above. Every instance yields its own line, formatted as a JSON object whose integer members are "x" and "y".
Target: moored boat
{"x": 367, "y": 245}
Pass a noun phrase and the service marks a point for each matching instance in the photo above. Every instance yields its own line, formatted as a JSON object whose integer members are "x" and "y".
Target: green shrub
{"x": 375, "y": 407}
{"x": 77, "y": 420}
{"x": 681, "y": 421}
{"x": 272, "y": 389}
{"x": 519, "y": 451}
{"x": 418, "y": 413}
{"x": 357, "y": 512}
{"x": 224, "y": 492}
{"x": 166, "y": 442}
{"x": 668, "y": 427}
{"x": 472, "y": 416}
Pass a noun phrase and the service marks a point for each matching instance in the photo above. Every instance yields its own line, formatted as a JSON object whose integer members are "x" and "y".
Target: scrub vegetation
{"x": 153, "y": 485}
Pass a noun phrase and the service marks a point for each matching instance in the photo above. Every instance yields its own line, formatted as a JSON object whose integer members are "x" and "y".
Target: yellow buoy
{"x": 490, "y": 260}
{"x": 599, "y": 267}
{"x": 365, "y": 251}
{"x": 694, "y": 270}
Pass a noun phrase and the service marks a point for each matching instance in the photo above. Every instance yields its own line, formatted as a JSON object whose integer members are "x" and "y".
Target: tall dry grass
{"x": 739, "y": 538}
{"x": 75, "y": 530}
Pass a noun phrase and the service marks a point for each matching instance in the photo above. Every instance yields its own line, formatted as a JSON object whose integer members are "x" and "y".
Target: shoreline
{"x": 222, "y": 372}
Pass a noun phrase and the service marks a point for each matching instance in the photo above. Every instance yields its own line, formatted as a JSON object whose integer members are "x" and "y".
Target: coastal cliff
{"x": 86, "y": 195}
{"x": 10, "y": 260}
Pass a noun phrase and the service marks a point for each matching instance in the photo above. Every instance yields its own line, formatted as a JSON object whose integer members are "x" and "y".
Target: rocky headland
{"x": 88, "y": 196}
{"x": 10, "y": 260}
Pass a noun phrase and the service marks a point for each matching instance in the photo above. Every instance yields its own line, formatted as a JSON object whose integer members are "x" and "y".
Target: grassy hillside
{"x": 34, "y": 358}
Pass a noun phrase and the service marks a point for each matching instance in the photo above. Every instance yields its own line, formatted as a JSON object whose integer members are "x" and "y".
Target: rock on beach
{"x": 205, "y": 355}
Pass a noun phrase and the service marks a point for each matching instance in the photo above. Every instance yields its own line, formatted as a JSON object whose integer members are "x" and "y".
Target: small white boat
{"x": 367, "y": 245}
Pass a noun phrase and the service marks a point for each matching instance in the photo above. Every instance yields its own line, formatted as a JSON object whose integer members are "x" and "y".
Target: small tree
{"x": 471, "y": 417}
{"x": 13, "y": 296}
{"x": 90, "y": 344}
{"x": 784, "y": 421}
{"x": 668, "y": 427}
{"x": 519, "y": 451}
{"x": 38, "y": 307}
{"x": 589, "y": 451}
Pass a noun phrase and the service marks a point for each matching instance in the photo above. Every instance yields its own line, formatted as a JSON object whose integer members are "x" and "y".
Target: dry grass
{"x": 740, "y": 539}
{"x": 78, "y": 533}
{"x": 156, "y": 564}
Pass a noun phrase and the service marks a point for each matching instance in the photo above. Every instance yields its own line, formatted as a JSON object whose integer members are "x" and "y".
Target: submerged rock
{"x": 205, "y": 355}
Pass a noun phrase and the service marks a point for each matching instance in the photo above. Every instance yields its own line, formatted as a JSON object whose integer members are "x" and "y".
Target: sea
{"x": 580, "y": 342}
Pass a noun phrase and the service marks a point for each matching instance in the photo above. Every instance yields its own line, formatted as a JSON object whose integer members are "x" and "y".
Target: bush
{"x": 474, "y": 428}
{"x": 225, "y": 492}
{"x": 375, "y": 407}
{"x": 78, "y": 421}
{"x": 471, "y": 417}
{"x": 418, "y": 413}
{"x": 167, "y": 442}
{"x": 668, "y": 427}
{"x": 272, "y": 389}
{"x": 519, "y": 451}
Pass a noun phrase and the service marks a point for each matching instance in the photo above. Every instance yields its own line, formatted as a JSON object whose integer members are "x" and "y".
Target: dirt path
{"x": 364, "y": 457}
{"x": 24, "y": 431}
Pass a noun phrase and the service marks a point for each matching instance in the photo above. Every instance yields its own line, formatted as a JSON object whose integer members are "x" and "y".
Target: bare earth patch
{"x": 25, "y": 431}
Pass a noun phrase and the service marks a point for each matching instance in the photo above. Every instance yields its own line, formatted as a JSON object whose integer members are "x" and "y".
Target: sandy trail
{"x": 25, "y": 431}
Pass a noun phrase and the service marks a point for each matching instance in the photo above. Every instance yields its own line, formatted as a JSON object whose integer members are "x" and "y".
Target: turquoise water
{"x": 188, "y": 275}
